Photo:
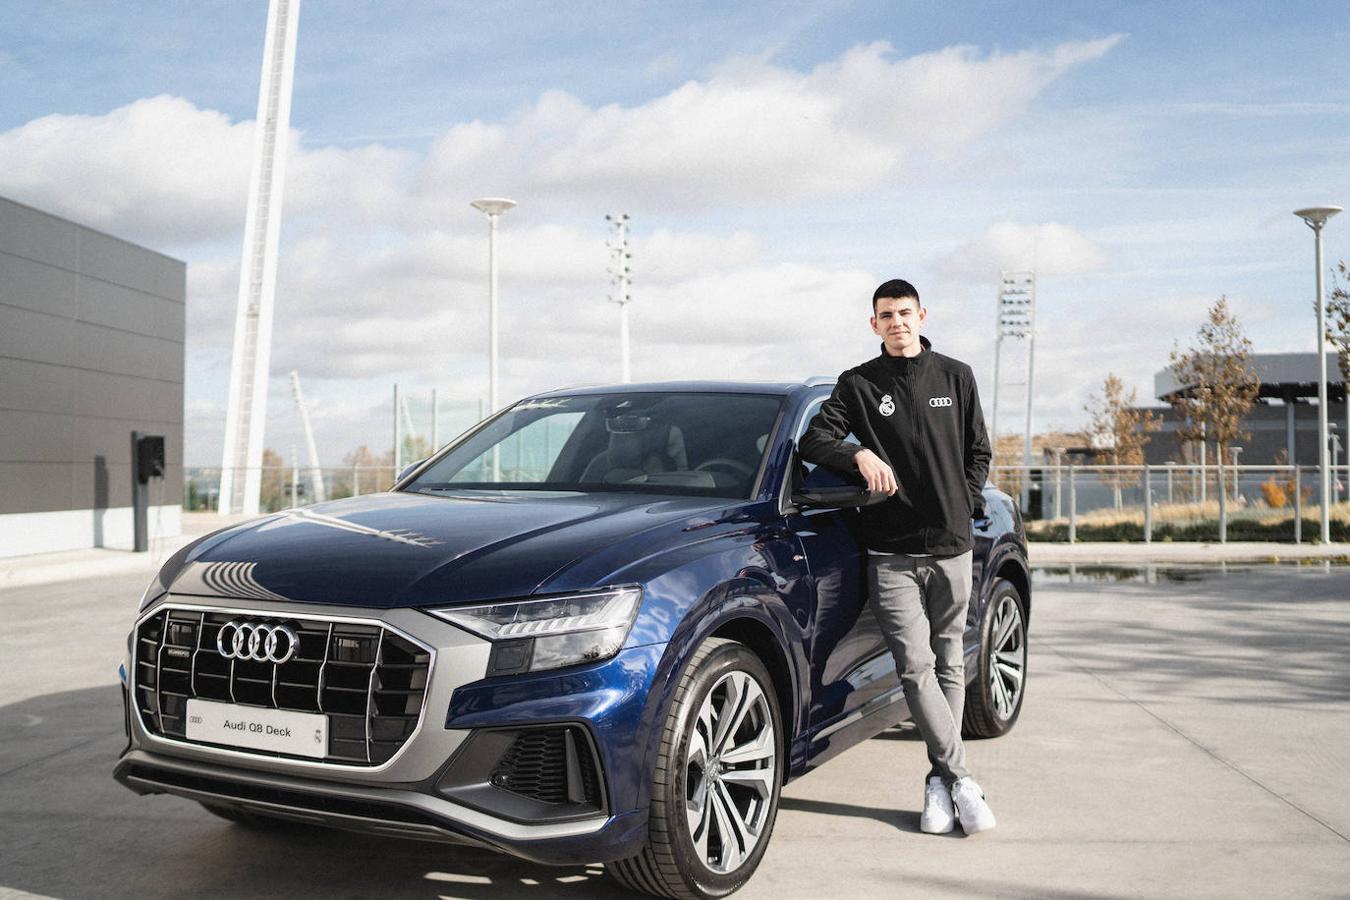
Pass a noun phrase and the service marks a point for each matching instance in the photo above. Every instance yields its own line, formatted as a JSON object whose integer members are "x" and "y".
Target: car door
{"x": 849, "y": 660}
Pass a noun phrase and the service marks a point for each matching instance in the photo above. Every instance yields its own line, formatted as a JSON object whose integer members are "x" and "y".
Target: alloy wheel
{"x": 730, "y": 769}
{"x": 1008, "y": 656}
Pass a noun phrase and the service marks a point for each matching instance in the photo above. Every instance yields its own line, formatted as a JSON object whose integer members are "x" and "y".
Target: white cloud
{"x": 165, "y": 171}
{"x": 1049, "y": 249}
{"x": 757, "y": 133}
{"x": 157, "y": 169}
{"x": 383, "y": 272}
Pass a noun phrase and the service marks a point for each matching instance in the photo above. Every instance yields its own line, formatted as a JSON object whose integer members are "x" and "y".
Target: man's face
{"x": 897, "y": 323}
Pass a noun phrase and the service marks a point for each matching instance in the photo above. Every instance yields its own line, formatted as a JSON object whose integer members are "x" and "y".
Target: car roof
{"x": 689, "y": 387}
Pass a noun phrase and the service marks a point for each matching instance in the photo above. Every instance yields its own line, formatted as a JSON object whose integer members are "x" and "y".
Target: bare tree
{"x": 1338, "y": 333}
{"x": 272, "y": 490}
{"x": 1218, "y": 385}
{"x": 1119, "y": 431}
{"x": 364, "y": 472}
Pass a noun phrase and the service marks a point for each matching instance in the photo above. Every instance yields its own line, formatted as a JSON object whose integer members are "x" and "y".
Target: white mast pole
{"x": 315, "y": 472}
{"x": 246, "y": 412}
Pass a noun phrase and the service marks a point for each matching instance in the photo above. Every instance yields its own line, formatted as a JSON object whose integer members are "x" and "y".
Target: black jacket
{"x": 922, "y": 416}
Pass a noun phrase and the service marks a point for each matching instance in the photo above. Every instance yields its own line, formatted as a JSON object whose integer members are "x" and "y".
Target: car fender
{"x": 741, "y": 598}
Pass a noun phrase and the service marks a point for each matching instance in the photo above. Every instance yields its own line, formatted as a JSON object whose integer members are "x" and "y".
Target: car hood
{"x": 402, "y": 549}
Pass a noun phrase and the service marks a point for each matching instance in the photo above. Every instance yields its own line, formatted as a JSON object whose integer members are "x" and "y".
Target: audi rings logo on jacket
{"x": 257, "y": 641}
{"x": 940, "y": 401}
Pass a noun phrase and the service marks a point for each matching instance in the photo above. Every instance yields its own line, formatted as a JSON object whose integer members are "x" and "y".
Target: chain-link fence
{"x": 1176, "y": 502}
{"x": 287, "y": 486}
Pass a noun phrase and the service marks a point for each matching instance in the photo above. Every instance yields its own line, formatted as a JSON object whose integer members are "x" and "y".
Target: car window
{"x": 806, "y": 420}
{"x": 526, "y": 455}
{"x": 699, "y": 443}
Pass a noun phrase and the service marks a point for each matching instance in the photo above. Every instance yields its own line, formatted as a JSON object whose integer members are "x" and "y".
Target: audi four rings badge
{"x": 940, "y": 401}
{"x": 887, "y": 405}
{"x": 256, "y": 641}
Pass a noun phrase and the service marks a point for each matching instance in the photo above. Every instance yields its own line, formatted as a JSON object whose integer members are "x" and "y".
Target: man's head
{"x": 897, "y": 317}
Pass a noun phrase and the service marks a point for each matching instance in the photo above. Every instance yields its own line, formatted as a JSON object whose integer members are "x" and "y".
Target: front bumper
{"x": 446, "y": 783}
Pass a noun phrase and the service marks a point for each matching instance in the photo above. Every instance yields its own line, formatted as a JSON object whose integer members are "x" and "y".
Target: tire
{"x": 694, "y": 806}
{"x": 994, "y": 698}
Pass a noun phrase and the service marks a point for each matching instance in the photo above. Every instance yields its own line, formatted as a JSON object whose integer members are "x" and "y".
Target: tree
{"x": 1217, "y": 385}
{"x": 273, "y": 492}
{"x": 364, "y": 472}
{"x": 1338, "y": 333}
{"x": 1119, "y": 430}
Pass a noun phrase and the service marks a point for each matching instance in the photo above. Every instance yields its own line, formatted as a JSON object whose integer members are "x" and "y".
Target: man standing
{"x": 917, "y": 416}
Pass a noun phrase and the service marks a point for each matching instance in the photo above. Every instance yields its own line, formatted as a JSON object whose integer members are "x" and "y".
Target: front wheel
{"x": 714, "y": 793}
{"x": 994, "y": 698}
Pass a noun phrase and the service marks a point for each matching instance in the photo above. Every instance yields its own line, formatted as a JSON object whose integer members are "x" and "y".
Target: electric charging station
{"x": 147, "y": 462}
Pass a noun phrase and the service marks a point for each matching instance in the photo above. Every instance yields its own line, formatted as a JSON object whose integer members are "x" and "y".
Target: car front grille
{"x": 368, "y": 680}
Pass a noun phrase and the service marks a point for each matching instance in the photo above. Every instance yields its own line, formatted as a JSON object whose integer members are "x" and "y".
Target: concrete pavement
{"x": 1182, "y": 739}
{"x": 51, "y": 568}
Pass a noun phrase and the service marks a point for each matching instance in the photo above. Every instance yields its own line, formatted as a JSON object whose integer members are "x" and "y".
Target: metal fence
{"x": 1175, "y": 501}
{"x": 1063, "y": 503}
{"x": 287, "y": 486}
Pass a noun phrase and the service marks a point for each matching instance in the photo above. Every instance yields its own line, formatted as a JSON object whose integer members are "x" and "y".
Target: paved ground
{"x": 1182, "y": 738}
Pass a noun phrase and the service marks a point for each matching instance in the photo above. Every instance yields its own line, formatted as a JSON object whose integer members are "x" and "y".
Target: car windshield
{"x": 700, "y": 444}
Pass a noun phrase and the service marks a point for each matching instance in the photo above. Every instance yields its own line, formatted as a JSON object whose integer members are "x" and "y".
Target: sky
{"x": 778, "y": 162}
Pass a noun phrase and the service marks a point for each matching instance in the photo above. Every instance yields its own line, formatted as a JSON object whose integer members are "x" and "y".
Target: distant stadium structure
{"x": 1283, "y": 419}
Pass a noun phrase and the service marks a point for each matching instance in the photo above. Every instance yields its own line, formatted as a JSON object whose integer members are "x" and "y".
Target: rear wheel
{"x": 994, "y": 698}
{"x": 714, "y": 794}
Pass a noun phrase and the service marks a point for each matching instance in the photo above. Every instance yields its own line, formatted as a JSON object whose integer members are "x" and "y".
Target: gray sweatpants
{"x": 921, "y": 603}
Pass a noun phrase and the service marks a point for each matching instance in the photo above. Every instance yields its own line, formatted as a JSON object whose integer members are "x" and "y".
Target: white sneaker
{"x": 938, "y": 817}
{"x": 974, "y": 813}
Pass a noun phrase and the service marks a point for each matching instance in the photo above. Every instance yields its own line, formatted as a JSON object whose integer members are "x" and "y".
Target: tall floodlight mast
{"x": 1016, "y": 319}
{"x": 315, "y": 471}
{"x": 241, "y": 466}
{"x": 621, "y": 273}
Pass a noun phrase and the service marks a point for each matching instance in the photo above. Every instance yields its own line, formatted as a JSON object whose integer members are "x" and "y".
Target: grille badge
{"x": 256, "y": 641}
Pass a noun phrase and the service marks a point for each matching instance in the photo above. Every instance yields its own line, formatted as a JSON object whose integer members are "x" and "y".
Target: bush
{"x": 1273, "y": 491}
{"x": 1203, "y": 532}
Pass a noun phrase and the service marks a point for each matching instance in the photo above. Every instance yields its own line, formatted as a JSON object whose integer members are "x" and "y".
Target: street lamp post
{"x": 492, "y": 207}
{"x": 1316, "y": 217}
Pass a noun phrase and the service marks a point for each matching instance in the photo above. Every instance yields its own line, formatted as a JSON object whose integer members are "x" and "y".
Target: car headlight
{"x": 552, "y": 632}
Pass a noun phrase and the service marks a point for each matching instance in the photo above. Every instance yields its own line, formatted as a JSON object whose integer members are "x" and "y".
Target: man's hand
{"x": 878, "y": 475}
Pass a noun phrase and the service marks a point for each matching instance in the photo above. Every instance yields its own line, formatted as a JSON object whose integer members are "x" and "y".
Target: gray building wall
{"x": 91, "y": 348}
{"x": 1267, "y": 425}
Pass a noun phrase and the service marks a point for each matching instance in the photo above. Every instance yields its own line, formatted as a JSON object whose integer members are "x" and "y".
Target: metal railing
{"x": 1175, "y": 501}
{"x": 1066, "y": 502}
{"x": 286, "y": 486}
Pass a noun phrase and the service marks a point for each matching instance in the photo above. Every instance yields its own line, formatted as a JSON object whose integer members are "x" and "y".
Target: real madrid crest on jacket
{"x": 922, "y": 416}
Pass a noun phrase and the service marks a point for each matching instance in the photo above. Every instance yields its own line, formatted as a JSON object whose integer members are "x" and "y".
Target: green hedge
{"x": 1202, "y": 532}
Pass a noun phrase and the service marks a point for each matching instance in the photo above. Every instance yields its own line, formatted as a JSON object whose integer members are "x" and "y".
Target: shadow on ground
{"x": 69, "y": 830}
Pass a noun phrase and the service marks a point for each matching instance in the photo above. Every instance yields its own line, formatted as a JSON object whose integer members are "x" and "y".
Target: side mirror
{"x": 823, "y": 489}
{"x": 407, "y": 470}
{"x": 845, "y": 497}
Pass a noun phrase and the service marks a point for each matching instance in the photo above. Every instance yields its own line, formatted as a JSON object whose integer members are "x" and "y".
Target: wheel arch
{"x": 761, "y": 641}
{"x": 1013, "y": 571}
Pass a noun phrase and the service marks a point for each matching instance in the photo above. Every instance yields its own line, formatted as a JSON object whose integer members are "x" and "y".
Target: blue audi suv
{"x": 606, "y": 624}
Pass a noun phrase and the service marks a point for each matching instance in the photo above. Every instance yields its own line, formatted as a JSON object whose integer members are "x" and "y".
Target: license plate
{"x": 274, "y": 730}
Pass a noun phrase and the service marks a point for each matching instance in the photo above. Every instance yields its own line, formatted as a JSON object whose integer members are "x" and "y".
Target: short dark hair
{"x": 896, "y": 289}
